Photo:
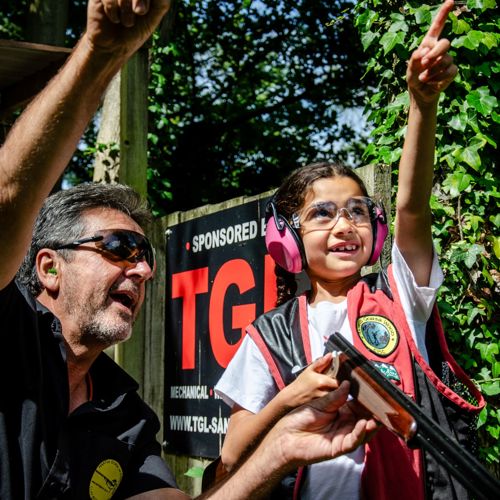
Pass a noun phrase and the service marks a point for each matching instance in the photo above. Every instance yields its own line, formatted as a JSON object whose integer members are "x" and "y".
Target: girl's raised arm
{"x": 430, "y": 71}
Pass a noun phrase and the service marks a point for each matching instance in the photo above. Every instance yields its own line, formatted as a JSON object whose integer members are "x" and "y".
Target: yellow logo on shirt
{"x": 105, "y": 480}
{"x": 378, "y": 334}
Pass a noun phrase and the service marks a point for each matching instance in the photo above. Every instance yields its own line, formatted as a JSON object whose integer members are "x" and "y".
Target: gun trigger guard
{"x": 334, "y": 367}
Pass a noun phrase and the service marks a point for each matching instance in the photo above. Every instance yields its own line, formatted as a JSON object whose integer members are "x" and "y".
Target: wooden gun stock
{"x": 376, "y": 399}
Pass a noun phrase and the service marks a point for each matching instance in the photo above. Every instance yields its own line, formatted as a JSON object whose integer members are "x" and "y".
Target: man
{"x": 71, "y": 422}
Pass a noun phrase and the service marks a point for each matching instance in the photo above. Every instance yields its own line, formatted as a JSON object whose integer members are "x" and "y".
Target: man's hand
{"x": 324, "y": 429}
{"x": 122, "y": 26}
{"x": 431, "y": 69}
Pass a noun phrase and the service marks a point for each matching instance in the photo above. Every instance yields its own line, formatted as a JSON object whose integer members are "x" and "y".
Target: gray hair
{"x": 61, "y": 220}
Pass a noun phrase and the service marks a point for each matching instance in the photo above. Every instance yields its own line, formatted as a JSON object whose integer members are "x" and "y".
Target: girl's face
{"x": 338, "y": 252}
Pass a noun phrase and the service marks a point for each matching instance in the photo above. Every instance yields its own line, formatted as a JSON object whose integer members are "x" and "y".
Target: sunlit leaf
{"x": 367, "y": 38}
{"x": 482, "y": 101}
{"x": 389, "y": 40}
{"x": 496, "y": 244}
{"x": 457, "y": 182}
{"x": 491, "y": 389}
{"x": 471, "y": 157}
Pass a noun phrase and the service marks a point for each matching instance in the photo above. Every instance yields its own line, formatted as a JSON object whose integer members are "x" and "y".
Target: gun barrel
{"x": 456, "y": 459}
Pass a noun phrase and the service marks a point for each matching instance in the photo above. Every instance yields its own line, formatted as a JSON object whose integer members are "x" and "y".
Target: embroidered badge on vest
{"x": 387, "y": 370}
{"x": 105, "y": 480}
{"x": 378, "y": 334}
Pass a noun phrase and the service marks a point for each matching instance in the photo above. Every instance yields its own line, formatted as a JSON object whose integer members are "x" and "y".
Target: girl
{"x": 322, "y": 220}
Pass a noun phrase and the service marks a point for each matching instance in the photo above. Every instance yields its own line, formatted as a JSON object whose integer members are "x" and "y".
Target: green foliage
{"x": 12, "y": 15}
{"x": 465, "y": 200}
{"x": 240, "y": 94}
{"x": 14, "y": 20}
{"x": 243, "y": 92}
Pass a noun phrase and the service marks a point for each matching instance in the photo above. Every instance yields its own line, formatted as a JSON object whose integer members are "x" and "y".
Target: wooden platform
{"x": 25, "y": 68}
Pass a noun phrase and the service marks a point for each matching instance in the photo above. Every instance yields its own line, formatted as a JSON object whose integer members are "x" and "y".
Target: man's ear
{"x": 48, "y": 269}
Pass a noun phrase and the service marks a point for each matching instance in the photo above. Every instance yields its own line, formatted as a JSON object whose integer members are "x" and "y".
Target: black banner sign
{"x": 219, "y": 279}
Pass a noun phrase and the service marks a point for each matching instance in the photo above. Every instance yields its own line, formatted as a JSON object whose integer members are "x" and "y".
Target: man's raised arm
{"x": 43, "y": 139}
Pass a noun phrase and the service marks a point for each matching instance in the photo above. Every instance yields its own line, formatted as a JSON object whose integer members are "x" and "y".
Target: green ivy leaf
{"x": 389, "y": 40}
{"x": 390, "y": 155}
{"x": 401, "y": 101}
{"x": 482, "y": 101}
{"x": 496, "y": 242}
{"x": 459, "y": 25}
{"x": 489, "y": 39}
{"x": 466, "y": 254}
{"x": 367, "y": 39}
{"x": 472, "y": 314}
{"x": 423, "y": 15}
{"x": 470, "y": 40}
{"x": 366, "y": 19}
{"x": 399, "y": 25}
{"x": 471, "y": 157}
{"x": 491, "y": 389}
{"x": 459, "y": 121}
{"x": 482, "y": 417}
{"x": 457, "y": 182}
{"x": 471, "y": 255}
{"x": 484, "y": 4}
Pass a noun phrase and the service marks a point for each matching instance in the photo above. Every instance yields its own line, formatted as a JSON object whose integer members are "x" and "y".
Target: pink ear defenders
{"x": 285, "y": 246}
{"x": 282, "y": 241}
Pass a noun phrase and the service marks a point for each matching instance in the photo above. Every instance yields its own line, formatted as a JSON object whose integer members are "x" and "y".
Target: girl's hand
{"x": 431, "y": 69}
{"x": 311, "y": 383}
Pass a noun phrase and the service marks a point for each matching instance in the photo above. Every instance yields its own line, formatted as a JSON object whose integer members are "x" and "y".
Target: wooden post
{"x": 134, "y": 122}
{"x": 107, "y": 157}
{"x": 47, "y": 21}
{"x": 124, "y": 122}
{"x": 377, "y": 179}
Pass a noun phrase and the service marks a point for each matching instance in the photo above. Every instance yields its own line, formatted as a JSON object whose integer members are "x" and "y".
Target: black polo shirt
{"x": 105, "y": 447}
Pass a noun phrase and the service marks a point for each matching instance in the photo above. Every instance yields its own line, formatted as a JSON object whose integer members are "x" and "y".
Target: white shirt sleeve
{"x": 247, "y": 380}
{"x": 417, "y": 301}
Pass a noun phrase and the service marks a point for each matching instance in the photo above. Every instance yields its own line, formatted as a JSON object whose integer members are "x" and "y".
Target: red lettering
{"x": 270, "y": 289}
{"x": 234, "y": 272}
{"x": 186, "y": 286}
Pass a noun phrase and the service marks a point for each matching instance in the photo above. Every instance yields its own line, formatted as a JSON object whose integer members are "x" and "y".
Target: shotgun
{"x": 401, "y": 415}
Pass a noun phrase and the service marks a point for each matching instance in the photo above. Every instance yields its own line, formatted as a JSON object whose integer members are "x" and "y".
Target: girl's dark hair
{"x": 289, "y": 199}
{"x": 61, "y": 220}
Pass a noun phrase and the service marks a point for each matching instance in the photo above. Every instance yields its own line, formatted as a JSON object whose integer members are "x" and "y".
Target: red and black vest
{"x": 381, "y": 333}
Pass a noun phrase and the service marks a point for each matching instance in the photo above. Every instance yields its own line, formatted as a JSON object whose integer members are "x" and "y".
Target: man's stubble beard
{"x": 97, "y": 324}
{"x": 103, "y": 331}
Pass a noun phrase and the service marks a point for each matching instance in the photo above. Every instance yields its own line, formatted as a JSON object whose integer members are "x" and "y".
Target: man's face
{"x": 99, "y": 298}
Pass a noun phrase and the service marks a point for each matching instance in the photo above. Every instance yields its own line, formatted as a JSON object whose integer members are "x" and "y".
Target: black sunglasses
{"x": 119, "y": 244}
